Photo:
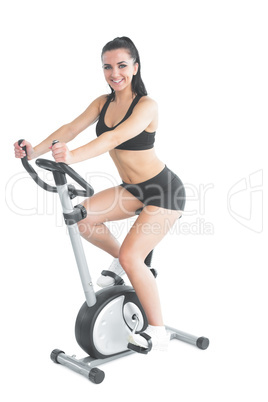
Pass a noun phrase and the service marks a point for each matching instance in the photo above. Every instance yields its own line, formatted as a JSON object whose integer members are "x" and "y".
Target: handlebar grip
{"x": 75, "y": 176}
{"x": 28, "y": 167}
{"x": 24, "y": 148}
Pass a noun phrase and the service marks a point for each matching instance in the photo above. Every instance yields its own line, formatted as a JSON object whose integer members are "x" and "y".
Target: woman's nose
{"x": 115, "y": 73}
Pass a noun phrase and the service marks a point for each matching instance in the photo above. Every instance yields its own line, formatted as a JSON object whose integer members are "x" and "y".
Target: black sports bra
{"x": 140, "y": 142}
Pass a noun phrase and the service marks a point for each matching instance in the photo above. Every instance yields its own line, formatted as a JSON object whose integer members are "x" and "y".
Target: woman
{"x": 127, "y": 122}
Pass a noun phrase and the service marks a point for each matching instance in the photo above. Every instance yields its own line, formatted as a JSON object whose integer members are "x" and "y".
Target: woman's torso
{"x": 134, "y": 166}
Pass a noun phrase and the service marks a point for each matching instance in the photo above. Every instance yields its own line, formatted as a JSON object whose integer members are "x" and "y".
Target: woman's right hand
{"x": 20, "y": 153}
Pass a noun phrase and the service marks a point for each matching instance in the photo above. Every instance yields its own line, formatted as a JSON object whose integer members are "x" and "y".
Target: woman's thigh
{"x": 149, "y": 229}
{"x": 111, "y": 204}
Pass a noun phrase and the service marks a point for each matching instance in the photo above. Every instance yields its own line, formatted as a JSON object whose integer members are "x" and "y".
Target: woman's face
{"x": 119, "y": 68}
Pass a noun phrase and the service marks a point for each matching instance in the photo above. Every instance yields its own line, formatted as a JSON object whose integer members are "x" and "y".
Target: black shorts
{"x": 165, "y": 190}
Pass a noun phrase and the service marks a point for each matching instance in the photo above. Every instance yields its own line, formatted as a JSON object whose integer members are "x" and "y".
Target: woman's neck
{"x": 124, "y": 96}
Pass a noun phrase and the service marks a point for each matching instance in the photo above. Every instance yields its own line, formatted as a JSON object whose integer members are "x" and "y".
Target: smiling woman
{"x": 127, "y": 122}
{"x": 120, "y": 73}
{"x": 133, "y": 57}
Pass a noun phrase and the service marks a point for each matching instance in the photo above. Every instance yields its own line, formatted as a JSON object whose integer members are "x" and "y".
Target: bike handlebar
{"x": 57, "y": 167}
{"x": 33, "y": 173}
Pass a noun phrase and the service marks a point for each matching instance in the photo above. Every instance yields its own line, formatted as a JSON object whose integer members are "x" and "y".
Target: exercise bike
{"x": 107, "y": 317}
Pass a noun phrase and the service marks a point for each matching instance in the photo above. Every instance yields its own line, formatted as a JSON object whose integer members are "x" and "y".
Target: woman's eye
{"x": 109, "y": 67}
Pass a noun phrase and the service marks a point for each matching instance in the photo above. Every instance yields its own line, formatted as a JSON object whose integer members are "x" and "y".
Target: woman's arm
{"x": 69, "y": 131}
{"x": 139, "y": 120}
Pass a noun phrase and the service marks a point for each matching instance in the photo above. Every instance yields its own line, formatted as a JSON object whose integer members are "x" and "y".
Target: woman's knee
{"x": 129, "y": 259}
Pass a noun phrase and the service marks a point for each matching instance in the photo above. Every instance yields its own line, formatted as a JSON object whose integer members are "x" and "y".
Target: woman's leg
{"x": 112, "y": 204}
{"x": 150, "y": 227}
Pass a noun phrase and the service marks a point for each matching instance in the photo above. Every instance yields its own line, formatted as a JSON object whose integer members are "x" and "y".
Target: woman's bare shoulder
{"x": 100, "y": 101}
{"x": 148, "y": 101}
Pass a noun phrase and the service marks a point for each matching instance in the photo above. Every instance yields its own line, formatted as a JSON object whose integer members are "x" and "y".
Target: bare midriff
{"x": 136, "y": 166}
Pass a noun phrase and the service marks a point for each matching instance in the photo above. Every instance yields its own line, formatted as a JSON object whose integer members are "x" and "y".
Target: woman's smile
{"x": 117, "y": 81}
{"x": 119, "y": 68}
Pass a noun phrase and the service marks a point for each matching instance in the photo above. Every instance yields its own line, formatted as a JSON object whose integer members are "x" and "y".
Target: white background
{"x": 205, "y": 63}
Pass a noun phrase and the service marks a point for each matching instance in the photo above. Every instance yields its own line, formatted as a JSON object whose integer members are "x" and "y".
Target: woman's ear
{"x": 136, "y": 68}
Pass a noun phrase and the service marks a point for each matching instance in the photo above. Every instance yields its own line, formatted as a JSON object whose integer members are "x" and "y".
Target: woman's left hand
{"x": 61, "y": 153}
